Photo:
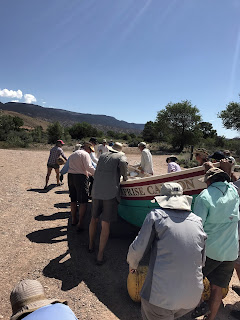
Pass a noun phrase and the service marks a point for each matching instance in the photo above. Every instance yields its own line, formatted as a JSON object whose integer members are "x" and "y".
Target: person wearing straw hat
{"x": 174, "y": 284}
{"x": 80, "y": 168}
{"x": 218, "y": 207}
{"x": 28, "y": 301}
{"x": 55, "y": 153}
{"x": 106, "y": 195}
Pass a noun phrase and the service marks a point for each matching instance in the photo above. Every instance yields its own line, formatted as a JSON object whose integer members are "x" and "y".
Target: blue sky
{"x": 123, "y": 58}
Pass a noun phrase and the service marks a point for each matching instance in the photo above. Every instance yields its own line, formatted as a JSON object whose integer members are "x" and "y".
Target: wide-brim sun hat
{"x": 117, "y": 147}
{"x": 28, "y": 296}
{"x": 215, "y": 174}
{"x": 142, "y": 144}
{"x": 172, "y": 157}
{"x": 172, "y": 197}
{"x": 90, "y": 146}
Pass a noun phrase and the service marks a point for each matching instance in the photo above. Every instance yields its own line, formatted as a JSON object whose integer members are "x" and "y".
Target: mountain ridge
{"x": 68, "y": 118}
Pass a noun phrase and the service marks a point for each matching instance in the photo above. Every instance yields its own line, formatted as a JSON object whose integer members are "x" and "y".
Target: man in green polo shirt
{"x": 218, "y": 206}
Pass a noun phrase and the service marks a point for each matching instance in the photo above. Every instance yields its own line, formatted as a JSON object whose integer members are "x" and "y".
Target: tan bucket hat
{"x": 88, "y": 144}
{"x": 28, "y": 296}
{"x": 215, "y": 174}
{"x": 171, "y": 197}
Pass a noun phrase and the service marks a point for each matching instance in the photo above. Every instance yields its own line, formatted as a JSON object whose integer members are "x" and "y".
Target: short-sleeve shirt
{"x": 55, "y": 153}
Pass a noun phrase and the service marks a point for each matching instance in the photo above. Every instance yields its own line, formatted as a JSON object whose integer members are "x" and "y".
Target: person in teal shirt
{"x": 218, "y": 206}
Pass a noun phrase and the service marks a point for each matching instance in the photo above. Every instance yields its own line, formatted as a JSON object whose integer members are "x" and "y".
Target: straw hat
{"x": 202, "y": 152}
{"x": 28, "y": 296}
{"x": 171, "y": 197}
{"x": 60, "y": 161}
{"x": 117, "y": 147}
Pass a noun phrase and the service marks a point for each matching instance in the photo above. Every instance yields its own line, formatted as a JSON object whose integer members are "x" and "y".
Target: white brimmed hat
{"x": 171, "y": 197}
{"x": 117, "y": 147}
{"x": 28, "y": 296}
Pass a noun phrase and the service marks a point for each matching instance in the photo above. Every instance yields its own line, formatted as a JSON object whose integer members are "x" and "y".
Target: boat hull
{"x": 137, "y": 195}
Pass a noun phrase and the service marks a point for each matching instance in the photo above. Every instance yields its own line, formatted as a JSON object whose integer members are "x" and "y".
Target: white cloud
{"x": 44, "y": 102}
{"x": 15, "y": 101}
{"x": 29, "y": 98}
{"x": 11, "y": 94}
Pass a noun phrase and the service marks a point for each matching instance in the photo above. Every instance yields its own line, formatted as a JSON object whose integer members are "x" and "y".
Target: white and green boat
{"x": 137, "y": 194}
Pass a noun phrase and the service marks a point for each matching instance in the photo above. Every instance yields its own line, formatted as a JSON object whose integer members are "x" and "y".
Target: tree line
{"x": 178, "y": 125}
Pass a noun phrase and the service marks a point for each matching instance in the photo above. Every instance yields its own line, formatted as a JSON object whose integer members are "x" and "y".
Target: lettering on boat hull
{"x": 151, "y": 189}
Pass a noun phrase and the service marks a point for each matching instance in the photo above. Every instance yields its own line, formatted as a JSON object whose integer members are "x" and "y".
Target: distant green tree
{"x": 178, "y": 123}
{"x": 55, "y": 132}
{"x": 82, "y": 130}
{"x": 207, "y": 130}
{"x": 231, "y": 116}
{"x": 149, "y": 132}
{"x": 8, "y": 124}
{"x": 220, "y": 141}
{"x": 37, "y": 134}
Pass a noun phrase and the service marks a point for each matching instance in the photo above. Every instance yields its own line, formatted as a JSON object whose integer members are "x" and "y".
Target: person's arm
{"x": 201, "y": 208}
{"x": 123, "y": 166}
{"x": 65, "y": 168}
{"x": 143, "y": 241}
{"x": 93, "y": 157}
{"x": 88, "y": 164}
{"x": 63, "y": 155}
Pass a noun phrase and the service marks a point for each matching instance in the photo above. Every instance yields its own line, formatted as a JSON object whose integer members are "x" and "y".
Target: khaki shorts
{"x": 107, "y": 209}
{"x": 218, "y": 272}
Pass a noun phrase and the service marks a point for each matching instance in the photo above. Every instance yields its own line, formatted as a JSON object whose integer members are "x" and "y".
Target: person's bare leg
{"x": 82, "y": 210}
{"x": 57, "y": 176}
{"x": 214, "y": 301}
{"x": 47, "y": 176}
{"x": 92, "y": 232}
{"x": 73, "y": 206}
{"x": 103, "y": 239}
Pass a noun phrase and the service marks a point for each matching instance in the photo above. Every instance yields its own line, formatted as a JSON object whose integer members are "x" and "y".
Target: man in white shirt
{"x": 102, "y": 148}
{"x": 146, "y": 164}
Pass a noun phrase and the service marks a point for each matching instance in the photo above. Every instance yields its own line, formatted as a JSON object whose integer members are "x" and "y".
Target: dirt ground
{"x": 37, "y": 242}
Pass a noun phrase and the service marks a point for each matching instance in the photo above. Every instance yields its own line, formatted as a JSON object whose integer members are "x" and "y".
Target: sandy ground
{"x": 37, "y": 242}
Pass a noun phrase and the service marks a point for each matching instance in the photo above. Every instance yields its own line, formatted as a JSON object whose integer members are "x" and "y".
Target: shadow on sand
{"x": 107, "y": 282}
{"x": 51, "y": 235}
{"x": 49, "y": 188}
{"x": 55, "y": 216}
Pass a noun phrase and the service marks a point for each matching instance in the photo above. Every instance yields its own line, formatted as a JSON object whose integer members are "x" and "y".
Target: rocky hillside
{"x": 68, "y": 118}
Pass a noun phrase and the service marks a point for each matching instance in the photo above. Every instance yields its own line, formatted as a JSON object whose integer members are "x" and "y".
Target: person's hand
{"x": 132, "y": 270}
{"x": 226, "y": 166}
{"x": 208, "y": 165}
{"x": 61, "y": 177}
